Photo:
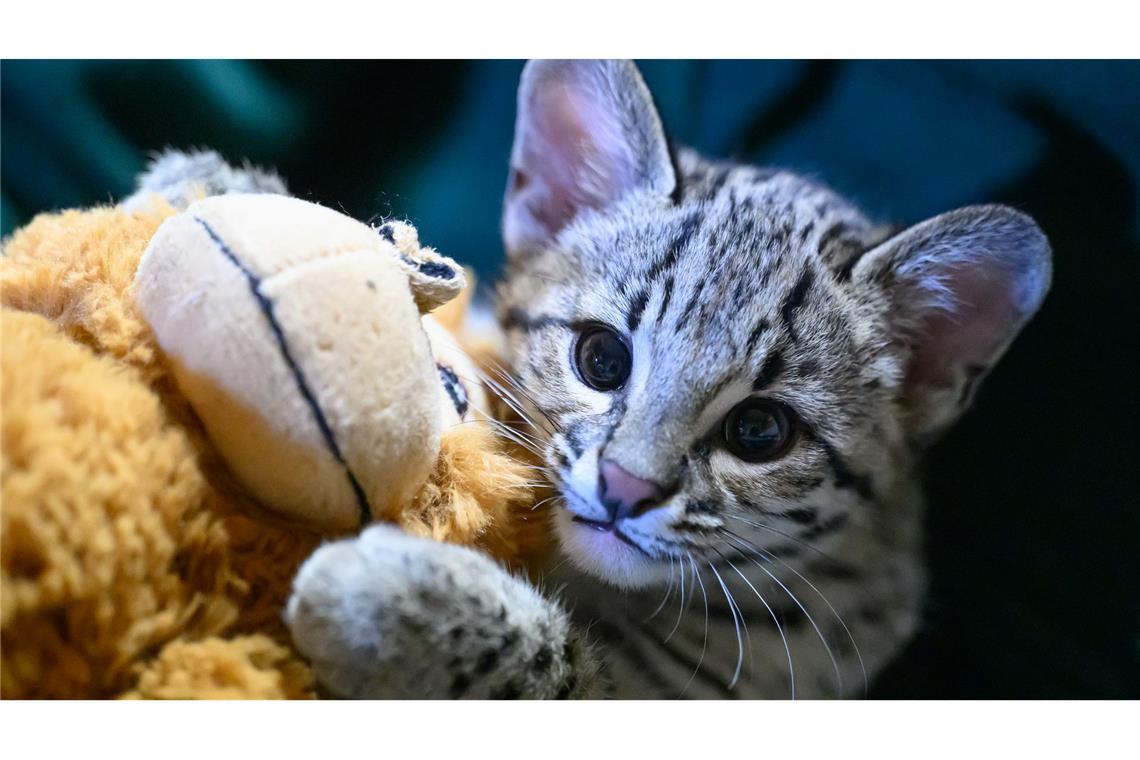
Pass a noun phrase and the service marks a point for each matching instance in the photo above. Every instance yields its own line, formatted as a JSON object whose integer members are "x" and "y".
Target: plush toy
{"x": 192, "y": 402}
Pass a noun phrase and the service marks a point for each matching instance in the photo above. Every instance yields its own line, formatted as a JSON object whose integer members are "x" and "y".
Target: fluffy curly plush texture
{"x": 132, "y": 564}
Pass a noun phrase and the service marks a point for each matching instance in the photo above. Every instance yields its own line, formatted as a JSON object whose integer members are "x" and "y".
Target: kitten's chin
{"x": 604, "y": 555}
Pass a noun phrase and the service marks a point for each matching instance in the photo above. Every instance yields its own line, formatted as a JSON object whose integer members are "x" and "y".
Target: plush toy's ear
{"x": 434, "y": 279}
{"x": 960, "y": 288}
{"x": 586, "y": 133}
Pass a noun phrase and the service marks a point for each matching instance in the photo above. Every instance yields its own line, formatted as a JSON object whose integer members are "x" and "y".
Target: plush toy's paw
{"x": 388, "y": 615}
{"x": 181, "y": 178}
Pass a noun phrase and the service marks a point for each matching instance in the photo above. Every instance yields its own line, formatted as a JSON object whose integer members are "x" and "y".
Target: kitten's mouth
{"x": 602, "y": 549}
{"x": 610, "y": 527}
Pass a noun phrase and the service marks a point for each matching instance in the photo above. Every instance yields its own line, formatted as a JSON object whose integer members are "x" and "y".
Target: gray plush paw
{"x": 387, "y": 615}
{"x": 180, "y": 178}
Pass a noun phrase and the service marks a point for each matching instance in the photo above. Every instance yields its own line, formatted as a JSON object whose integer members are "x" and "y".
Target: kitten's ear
{"x": 586, "y": 133}
{"x": 960, "y": 286}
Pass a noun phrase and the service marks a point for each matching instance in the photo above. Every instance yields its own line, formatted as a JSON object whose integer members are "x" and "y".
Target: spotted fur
{"x": 800, "y": 576}
{"x": 730, "y": 281}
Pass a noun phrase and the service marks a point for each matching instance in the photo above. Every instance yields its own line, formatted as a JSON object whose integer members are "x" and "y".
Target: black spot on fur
{"x": 690, "y": 306}
{"x": 701, "y": 451}
{"x": 573, "y": 435}
{"x": 667, "y": 290}
{"x": 785, "y": 551}
{"x": 754, "y": 336}
{"x": 801, "y": 516}
{"x": 385, "y": 231}
{"x": 790, "y": 616}
{"x": 738, "y": 292}
{"x": 511, "y": 690}
{"x": 568, "y": 655}
{"x": 835, "y": 571}
{"x": 518, "y": 319}
{"x": 844, "y": 477}
{"x": 806, "y": 483}
{"x": 769, "y": 371}
{"x": 843, "y": 273}
{"x": 459, "y": 685}
{"x": 698, "y": 507}
{"x": 829, "y": 236}
{"x": 542, "y": 660}
{"x": 678, "y": 178}
{"x": 796, "y": 299}
{"x": 688, "y": 527}
{"x": 688, "y": 228}
{"x": 717, "y": 184}
{"x": 805, "y": 231}
{"x": 688, "y": 662}
{"x": 509, "y": 641}
{"x": 633, "y": 319}
{"x": 830, "y": 525}
{"x": 487, "y": 662}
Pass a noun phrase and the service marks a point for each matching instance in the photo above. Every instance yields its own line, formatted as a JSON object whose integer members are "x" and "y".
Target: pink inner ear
{"x": 556, "y": 144}
{"x": 982, "y": 317}
{"x": 575, "y": 149}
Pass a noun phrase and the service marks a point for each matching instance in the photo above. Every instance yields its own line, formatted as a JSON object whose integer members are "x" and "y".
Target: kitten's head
{"x": 731, "y": 360}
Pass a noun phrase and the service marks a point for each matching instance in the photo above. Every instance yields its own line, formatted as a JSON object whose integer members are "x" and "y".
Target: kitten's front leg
{"x": 388, "y": 615}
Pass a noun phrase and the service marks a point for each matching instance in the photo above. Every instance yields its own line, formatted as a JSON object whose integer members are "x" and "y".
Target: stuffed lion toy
{"x": 199, "y": 387}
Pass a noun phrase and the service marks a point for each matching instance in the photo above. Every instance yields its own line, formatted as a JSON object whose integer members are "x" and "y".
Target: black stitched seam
{"x": 266, "y": 307}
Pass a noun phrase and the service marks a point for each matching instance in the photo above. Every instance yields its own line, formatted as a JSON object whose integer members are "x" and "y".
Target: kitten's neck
{"x": 861, "y": 595}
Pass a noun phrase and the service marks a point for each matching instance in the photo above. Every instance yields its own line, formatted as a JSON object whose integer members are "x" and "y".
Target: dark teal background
{"x": 1035, "y": 503}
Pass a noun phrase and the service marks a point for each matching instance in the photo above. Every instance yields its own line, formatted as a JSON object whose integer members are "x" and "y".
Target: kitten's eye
{"x": 602, "y": 358}
{"x": 757, "y": 430}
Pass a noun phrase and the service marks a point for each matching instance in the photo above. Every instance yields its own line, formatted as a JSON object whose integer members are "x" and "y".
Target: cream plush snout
{"x": 295, "y": 332}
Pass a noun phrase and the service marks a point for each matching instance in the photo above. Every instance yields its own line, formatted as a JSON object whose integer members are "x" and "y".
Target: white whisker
{"x": 838, "y": 617}
{"x": 681, "y": 605}
{"x": 666, "y": 597}
{"x": 705, "y": 640}
{"x": 736, "y": 623}
{"x": 779, "y": 532}
{"x": 818, "y": 632}
{"x": 547, "y": 500}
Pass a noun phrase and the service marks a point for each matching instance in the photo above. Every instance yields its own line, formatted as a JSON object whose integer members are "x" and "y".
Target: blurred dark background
{"x": 1034, "y": 526}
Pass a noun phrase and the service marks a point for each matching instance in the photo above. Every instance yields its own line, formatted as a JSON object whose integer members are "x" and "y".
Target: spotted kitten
{"x": 733, "y": 375}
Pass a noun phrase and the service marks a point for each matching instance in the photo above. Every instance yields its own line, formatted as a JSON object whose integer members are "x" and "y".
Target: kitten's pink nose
{"x": 624, "y": 494}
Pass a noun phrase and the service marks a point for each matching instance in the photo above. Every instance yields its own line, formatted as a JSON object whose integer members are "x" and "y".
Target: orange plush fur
{"x": 133, "y": 565}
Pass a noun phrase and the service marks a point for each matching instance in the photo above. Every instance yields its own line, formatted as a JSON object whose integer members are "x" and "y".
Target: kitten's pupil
{"x": 757, "y": 430}
{"x": 603, "y": 359}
